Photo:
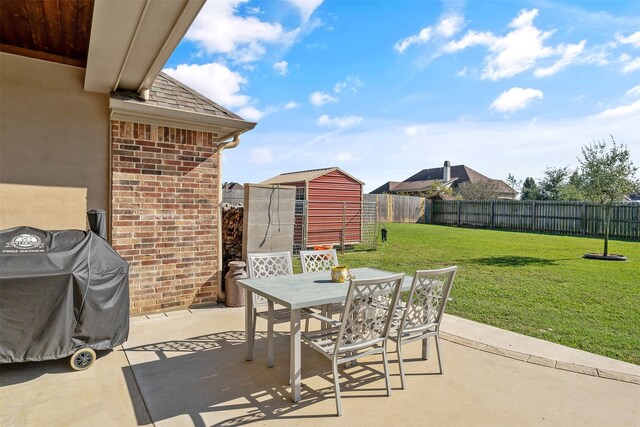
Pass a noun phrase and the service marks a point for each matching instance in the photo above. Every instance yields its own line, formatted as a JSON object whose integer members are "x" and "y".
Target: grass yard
{"x": 534, "y": 284}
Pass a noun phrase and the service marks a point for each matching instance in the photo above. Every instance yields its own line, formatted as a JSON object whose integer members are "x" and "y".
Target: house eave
{"x": 135, "y": 111}
{"x": 131, "y": 41}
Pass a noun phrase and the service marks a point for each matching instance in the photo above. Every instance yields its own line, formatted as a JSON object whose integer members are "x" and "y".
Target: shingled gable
{"x": 303, "y": 176}
{"x": 173, "y": 104}
{"x": 170, "y": 93}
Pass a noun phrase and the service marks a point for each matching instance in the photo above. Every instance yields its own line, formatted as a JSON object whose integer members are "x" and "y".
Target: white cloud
{"x": 450, "y": 25}
{"x": 569, "y": 54}
{"x": 305, "y": 7}
{"x": 347, "y": 158}
{"x": 523, "y": 48}
{"x": 422, "y": 37}
{"x": 254, "y": 10}
{"x": 633, "y": 65}
{"x": 213, "y": 80}
{"x": 319, "y": 98}
{"x": 447, "y": 27}
{"x": 416, "y": 130}
{"x": 624, "y": 57}
{"x": 281, "y": 68}
{"x": 515, "y": 99}
{"x": 463, "y": 72}
{"x": 291, "y": 105}
{"x": 511, "y": 54}
{"x": 633, "y": 39}
{"x": 351, "y": 83}
{"x": 217, "y": 29}
{"x": 621, "y": 112}
{"x": 634, "y": 91}
{"x": 261, "y": 155}
{"x": 340, "y": 122}
{"x": 252, "y": 113}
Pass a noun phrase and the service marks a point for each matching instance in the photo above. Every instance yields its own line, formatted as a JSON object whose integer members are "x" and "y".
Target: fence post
{"x": 533, "y": 216}
{"x": 584, "y": 218}
{"x": 493, "y": 212}
{"x": 459, "y": 213}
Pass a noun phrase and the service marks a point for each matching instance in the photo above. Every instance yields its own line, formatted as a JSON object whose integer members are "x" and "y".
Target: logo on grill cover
{"x": 25, "y": 243}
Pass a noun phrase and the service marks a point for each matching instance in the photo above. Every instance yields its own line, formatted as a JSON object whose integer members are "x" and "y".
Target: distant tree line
{"x": 605, "y": 175}
{"x": 556, "y": 184}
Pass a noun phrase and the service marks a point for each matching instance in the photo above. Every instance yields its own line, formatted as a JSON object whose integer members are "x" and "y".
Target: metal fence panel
{"x": 233, "y": 197}
{"x": 338, "y": 223}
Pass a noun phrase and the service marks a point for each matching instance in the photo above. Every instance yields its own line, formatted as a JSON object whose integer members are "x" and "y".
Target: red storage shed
{"x": 330, "y": 206}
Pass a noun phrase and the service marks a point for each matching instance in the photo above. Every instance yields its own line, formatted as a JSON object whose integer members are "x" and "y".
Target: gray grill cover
{"x": 60, "y": 291}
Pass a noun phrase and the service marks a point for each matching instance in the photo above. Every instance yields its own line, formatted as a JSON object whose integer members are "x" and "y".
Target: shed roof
{"x": 305, "y": 176}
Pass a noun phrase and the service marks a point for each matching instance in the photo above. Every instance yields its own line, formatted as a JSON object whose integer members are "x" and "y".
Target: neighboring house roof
{"x": 305, "y": 176}
{"x": 232, "y": 186}
{"x": 170, "y": 93}
{"x": 423, "y": 179}
{"x": 459, "y": 173}
{"x": 408, "y": 186}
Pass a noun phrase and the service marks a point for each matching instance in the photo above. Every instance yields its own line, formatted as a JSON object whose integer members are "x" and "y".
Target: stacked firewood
{"x": 231, "y": 235}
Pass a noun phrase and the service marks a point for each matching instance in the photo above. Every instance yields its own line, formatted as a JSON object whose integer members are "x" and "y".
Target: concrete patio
{"x": 187, "y": 368}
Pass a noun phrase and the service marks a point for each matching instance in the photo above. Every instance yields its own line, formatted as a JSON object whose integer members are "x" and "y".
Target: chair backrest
{"x": 368, "y": 312}
{"x": 313, "y": 261}
{"x": 427, "y": 299}
{"x": 268, "y": 264}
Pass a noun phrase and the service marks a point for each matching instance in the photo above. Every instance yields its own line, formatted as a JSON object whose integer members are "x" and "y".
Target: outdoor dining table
{"x": 295, "y": 292}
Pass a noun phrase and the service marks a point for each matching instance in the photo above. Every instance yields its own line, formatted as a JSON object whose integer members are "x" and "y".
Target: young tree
{"x": 607, "y": 175}
{"x": 559, "y": 184}
{"x": 437, "y": 190}
{"x": 552, "y": 183}
{"x": 514, "y": 183}
{"x": 479, "y": 190}
{"x": 530, "y": 190}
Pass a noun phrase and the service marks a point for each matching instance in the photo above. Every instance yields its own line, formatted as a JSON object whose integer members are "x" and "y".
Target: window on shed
{"x": 300, "y": 193}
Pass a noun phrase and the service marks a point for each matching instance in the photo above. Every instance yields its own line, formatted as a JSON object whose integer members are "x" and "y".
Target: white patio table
{"x": 296, "y": 292}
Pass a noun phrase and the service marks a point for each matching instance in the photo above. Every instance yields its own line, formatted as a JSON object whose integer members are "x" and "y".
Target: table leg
{"x": 326, "y": 312}
{"x": 270, "y": 349}
{"x": 295, "y": 368}
{"x": 248, "y": 324}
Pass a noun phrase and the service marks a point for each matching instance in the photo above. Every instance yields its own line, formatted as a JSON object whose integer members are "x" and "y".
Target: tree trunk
{"x": 605, "y": 225}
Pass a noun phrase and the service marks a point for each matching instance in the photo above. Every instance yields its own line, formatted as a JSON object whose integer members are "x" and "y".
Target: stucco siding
{"x": 52, "y": 132}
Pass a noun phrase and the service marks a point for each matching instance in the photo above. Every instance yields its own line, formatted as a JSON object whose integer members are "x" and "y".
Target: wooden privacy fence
{"x": 538, "y": 216}
{"x": 396, "y": 208}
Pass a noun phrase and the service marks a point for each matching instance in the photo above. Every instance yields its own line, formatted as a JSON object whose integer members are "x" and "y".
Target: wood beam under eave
{"x": 36, "y": 54}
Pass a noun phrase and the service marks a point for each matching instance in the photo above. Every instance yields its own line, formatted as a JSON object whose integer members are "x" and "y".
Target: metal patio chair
{"x": 423, "y": 312}
{"x": 321, "y": 260}
{"x": 268, "y": 264}
{"x": 313, "y": 261}
{"x": 363, "y": 327}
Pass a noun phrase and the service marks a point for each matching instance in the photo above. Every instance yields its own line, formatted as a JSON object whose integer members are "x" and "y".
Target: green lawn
{"x": 534, "y": 284}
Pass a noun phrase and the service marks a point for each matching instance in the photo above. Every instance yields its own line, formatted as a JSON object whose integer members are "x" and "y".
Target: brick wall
{"x": 164, "y": 214}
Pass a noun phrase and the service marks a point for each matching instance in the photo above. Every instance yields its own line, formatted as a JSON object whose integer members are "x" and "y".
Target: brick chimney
{"x": 446, "y": 171}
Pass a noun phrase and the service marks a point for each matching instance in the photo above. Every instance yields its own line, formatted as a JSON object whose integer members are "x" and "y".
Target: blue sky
{"x": 384, "y": 89}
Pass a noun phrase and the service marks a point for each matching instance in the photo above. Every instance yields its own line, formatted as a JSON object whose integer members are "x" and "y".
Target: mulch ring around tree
{"x": 610, "y": 257}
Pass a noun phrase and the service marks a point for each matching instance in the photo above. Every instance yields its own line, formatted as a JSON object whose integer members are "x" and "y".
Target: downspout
{"x": 222, "y": 146}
